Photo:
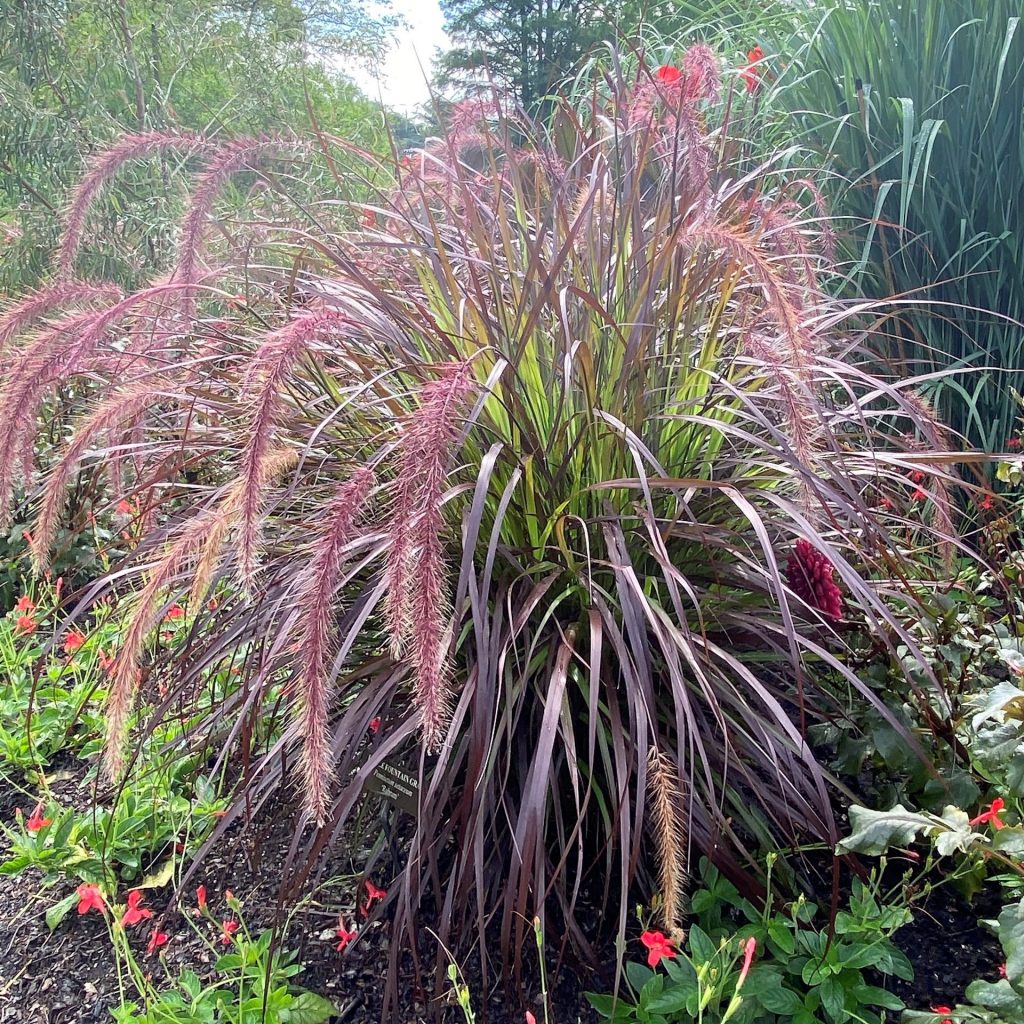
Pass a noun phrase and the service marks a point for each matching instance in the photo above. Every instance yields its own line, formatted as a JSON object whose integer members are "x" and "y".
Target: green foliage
{"x": 76, "y": 76}
{"x": 251, "y": 984}
{"x": 804, "y": 972}
{"x": 917, "y": 108}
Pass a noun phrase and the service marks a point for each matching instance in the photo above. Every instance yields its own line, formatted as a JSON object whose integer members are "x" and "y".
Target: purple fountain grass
{"x": 51, "y": 356}
{"x": 21, "y": 315}
{"x": 668, "y": 819}
{"x": 417, "y": 607}
{"x": 101, "y": 170}
{"x": 126, "y": 672}
{"x": 228, "y": 160}
{"x": 265, "y": 381}
{"x": 316, "y": 595}
{"x": 751, "y": 258}
{"x": 112, "y": 412}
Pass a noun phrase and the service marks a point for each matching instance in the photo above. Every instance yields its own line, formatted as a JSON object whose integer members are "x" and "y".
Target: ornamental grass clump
{"x": 504, "y": 484}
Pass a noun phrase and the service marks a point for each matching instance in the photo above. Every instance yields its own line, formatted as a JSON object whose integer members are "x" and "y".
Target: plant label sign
{"x": 396, "y": 785}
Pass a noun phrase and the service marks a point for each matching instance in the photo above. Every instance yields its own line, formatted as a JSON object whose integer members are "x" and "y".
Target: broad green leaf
{"x": 308, "y": 1008}
{"x": 60, "y": 910}
{"x": 875, "y": 831}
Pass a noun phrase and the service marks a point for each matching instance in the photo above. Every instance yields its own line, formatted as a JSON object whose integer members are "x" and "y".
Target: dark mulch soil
{"x": 69, "y": 976}
{"x": 949, "y": 948}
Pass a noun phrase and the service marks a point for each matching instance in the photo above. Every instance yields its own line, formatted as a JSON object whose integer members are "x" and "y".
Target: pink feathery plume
{"x": 21, "y": 315}
{"x": 51, "y": 356}
{"x": 231, "y": 158}
{"x": 265, "y": 381}
{"x": 418, "y": 608}
{"x": 120, "y": 408}
{"x": 126, "y": 672}
{"x": 316, "y": 595}
{"x": 101, "y": 170}
{"x": 702, "y": 78}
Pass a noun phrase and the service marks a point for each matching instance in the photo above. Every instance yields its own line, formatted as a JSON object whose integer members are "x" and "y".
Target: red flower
{"x": 920, "y": 495}
{"x": 37, "y": 821}
{"x": 373, "y": 896}
{"x": 212, "y": 604}
{"x": 1002, "y": 970}
{"x": 375, "y": 725}
{"x": 887, "y": 503}
{"x": 752, "y": 73}
{"x": 1014, "y": 442}
{"x": 991, "y": 815}
{"x": 135, "y": 912}
{"x": 986, "y": 503}
{"x": 201, "y": 897}
{"x": 811, "y": 576}
{"x": 25, "y": 624}
{"x": 73, "y": 641}
{"x": 227, "y": 929}
{"x": 658, "y": 946}
{"x": 125, "y": 508}
{"x": 668, "y": 74}
{"x": 917, "y": 477}
{"x": 530, "y": 1019}
{"x": 25, "y": 604}
{"x": 90, "y": 898}
{"x": 156, "y": 940}
{"x": 344, "y": 936}
{"x": 174, "y": 612}
{"x": 749, "y": 949}
{"x": 943, "y": 1010}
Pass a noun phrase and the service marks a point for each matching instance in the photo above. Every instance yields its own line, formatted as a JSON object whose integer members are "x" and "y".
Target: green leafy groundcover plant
{"x": 562, "y": 474}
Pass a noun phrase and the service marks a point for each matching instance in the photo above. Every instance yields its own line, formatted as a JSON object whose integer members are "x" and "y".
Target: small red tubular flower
{"x": 135, "y": 912}
{"x": 156, "y": 940}
{"x": 344, "y": 936}
{"x": 991, "y": 816}
{"x": 90, "y": 898}
{"x": 25, "y": 624}
{"x": 227, "y": 929}
{"x": 25, "y": 604}
{"x": 174, "y": 612}
{"x": 375, "y": 725}
{"x": 1013, "y": 442}
{"x": 530, "y": 1019}
{"x": 917, "y": 477}
{"x": 1002, "y": 970}
{"x": 942, "y": 1011}
{"x": 986, "y": 503}
{"x": 887, "y": 504}
{"x": 668, "y": 74}
{"x": 810, "y": 575}
{"x": 920, "y": 495}
{"x": 749, "y": 949}
{"x": 73, "y": 641}
{"x": 201, "y": 898}
{"x": 37, "y": 821}
{"x": 658, "y": 946}
{"x": 373, "y": 896}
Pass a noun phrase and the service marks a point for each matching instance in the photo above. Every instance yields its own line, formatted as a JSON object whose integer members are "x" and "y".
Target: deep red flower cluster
{"x": 811, "y": 576}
